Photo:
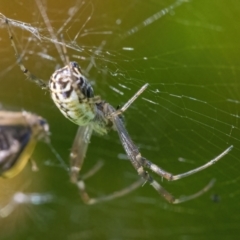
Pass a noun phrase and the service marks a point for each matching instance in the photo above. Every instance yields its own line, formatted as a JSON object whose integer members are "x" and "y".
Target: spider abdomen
{"x": 71, "y": 92}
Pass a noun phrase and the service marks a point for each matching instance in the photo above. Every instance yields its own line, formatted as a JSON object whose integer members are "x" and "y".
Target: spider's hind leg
{"x": 77, "y": 156}
{"x": 171, "y": 199}
{"x": 88, "y": 200}
{"x": 155, "y": 168}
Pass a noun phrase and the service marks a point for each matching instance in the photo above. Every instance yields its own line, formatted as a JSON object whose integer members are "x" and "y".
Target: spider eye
{"x": 75, "y": 65}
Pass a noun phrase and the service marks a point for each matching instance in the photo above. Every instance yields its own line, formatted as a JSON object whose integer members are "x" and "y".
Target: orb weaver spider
{"x": 74, "y": 96}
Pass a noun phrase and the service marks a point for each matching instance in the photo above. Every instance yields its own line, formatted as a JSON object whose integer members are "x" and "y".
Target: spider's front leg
{"x": 27, "y": 73}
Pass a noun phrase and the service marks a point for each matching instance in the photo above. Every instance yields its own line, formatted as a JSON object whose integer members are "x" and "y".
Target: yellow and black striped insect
{"x": 19, "y": 133}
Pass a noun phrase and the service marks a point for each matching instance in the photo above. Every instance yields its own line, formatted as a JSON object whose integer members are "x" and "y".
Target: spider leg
{"x": 146, "y": 163}
{"x": 54, "y": 39}
{"x": 29, "y": 75}
{"x": 139, "y": 163}
{"x": 93, "y": 170}
{"x": 78, "y": 151}
{"x": 86, "y": 198}
{"x": 171, "y": 199}
{"x": 127, "y": 105}
{"x": 77, "y": 156}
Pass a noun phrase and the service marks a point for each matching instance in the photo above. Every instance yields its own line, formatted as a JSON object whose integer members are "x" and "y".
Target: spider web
{"x": 188, "y": 51}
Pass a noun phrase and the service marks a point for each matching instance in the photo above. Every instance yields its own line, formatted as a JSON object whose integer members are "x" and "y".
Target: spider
{"x": 74, "y": 96}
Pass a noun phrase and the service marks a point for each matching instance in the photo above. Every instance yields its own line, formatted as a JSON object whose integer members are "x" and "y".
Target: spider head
{"x": 75, "y": 65}
{"x": 81, "y": 80}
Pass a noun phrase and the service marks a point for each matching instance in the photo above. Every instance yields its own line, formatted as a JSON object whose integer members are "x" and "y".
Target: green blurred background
{"x": 188, "y": 51}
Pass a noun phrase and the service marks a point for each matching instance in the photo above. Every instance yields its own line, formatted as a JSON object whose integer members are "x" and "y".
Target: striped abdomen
{"x": 71, "y": 92}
